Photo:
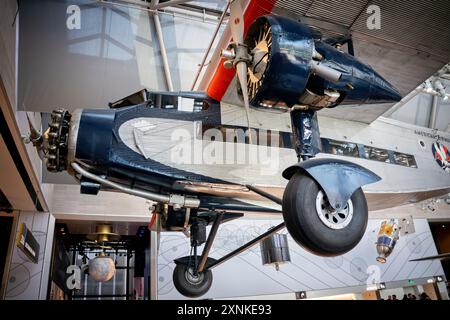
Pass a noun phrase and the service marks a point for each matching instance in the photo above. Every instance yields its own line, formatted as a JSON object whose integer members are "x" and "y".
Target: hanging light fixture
{"x": 275, "y": 250}
{"x": 103, "y": 233}
{"x": 387, "y": 238}
{"x": 102, "y": 268}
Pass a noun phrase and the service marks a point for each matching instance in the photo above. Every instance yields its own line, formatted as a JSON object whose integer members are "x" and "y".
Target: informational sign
{"x": 27, "y": 243}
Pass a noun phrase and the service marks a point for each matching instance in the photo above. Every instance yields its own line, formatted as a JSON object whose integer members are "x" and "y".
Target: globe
{"x": 101, "y": 268}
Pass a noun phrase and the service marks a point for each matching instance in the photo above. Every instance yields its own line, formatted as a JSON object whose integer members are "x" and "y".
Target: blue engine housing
{"x": 288, "y": 68}
{"x": 288, "y": 73}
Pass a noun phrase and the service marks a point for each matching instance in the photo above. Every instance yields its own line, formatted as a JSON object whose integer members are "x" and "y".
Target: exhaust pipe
{"x": 325, "y": 72}
{"x": 178, "y": 201}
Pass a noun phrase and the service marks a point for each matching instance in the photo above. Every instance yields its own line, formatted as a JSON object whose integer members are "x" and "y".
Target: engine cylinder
{"x": 57, "y": 137}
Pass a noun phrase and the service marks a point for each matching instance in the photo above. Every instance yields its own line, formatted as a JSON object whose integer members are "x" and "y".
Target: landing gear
{"x": 191, "y": 283}
{"x": 323, "y": 205}
{"x": 191, "y": 276}
{"x": 318, "y": 227}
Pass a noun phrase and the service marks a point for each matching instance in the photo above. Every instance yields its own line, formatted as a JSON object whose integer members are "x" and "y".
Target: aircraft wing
{"x": 411, "y": 44}
{"x": 443, "y": 256}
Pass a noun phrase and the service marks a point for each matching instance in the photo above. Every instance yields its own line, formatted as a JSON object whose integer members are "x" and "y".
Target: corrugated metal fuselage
{"x": 207, "y": 153}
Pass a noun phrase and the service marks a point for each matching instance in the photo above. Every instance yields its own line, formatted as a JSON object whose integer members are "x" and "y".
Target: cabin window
{"x": 376, "y": 154}
{"x": 344, "y": 148}
{"x": 340, "y": 148}
{"x": 406, "y": 160}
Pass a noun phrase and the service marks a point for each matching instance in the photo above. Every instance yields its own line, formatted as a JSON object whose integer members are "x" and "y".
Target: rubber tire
{"x": 305, "y": 226}
{"x": 188, "y": 289}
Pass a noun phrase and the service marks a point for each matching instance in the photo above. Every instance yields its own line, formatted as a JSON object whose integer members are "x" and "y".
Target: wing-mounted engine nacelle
{"x": 290, "y": 66}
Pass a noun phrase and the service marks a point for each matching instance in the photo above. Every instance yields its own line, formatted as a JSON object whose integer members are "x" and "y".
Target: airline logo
{"x": 442, "y": 156}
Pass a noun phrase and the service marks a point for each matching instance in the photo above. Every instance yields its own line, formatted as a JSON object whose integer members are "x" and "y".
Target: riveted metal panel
{"x": 422, "y": 25}
{"x": 297, "y": 7}
{"x": 343, "y": 12}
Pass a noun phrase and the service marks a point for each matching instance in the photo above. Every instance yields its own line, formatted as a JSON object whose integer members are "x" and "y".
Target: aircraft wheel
{"x": 189, "y": 284}
{"x": 315, "y": 225}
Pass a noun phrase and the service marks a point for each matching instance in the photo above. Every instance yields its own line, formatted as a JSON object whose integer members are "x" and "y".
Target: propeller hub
{"x": 228, "y": 54}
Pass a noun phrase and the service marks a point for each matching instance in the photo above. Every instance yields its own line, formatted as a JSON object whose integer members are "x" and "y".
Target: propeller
{"x": 35, "y": 136}
{"x": 39, "y": 140}
{"x": 237, "y": 21}
{"x": 239, "y": 55}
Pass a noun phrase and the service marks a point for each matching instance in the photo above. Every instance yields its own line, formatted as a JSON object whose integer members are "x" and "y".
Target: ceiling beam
{"x": 154, "y": 3}
{"x": 162, "y": 47}
{"x": 169, "y": 3}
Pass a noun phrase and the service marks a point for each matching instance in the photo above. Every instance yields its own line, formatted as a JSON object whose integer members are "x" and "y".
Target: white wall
{"x": 245, "y": 275}
{"x": 8, "y": 9}
{"x": 28, "y": 280}
{"x": 113, "y": 54}
{"x": 417, "y": 111}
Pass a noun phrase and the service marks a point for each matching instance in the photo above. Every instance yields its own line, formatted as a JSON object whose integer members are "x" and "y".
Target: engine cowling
{"x": 291, "y": 66}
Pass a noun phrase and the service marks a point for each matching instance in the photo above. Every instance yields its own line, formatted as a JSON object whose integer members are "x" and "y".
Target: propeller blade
{"x": 35, "y": 135}
{"x": 237, "y": 21}
{"x": 237, "y": 32}
{"x": 36, "y": 138}
{"x": 439, "y": 256}
{"x": 241, "y": 71}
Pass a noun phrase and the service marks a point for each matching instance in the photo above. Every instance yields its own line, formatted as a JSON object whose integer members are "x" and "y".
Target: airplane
{"x": 285, "y": 74}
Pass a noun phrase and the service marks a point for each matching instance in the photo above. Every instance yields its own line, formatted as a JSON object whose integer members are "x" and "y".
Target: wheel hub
{"x": 192, "y": 277}
{"x": 332, "y": 218}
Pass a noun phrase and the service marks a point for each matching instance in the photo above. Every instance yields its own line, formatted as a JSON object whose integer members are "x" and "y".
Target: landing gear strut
{"x": 191, "y": 283}
{"x": 191, "y": 276}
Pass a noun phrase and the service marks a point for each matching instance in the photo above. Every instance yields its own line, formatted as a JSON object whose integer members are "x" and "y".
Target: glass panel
{"x": 406, "y": 160}
{"x": 342, "y": 148}
{"x": 376, "y": 154}
{"x": 210, "y": 4}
